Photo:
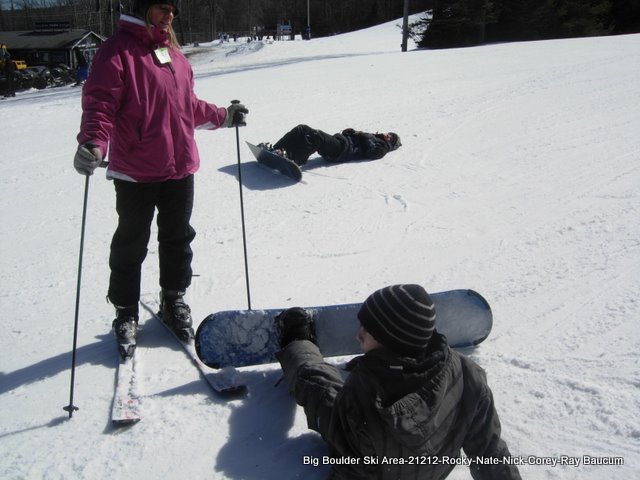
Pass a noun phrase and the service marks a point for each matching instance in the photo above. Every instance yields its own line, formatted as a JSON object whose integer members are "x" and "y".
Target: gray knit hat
{"x": 400, "y": 317}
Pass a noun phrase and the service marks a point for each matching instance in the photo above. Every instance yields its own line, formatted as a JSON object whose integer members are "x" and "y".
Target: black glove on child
{"x": 294, "y": 324}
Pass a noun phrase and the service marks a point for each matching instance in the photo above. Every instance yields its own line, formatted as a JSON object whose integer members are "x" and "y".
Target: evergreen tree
{"x": 625, "y": 16}
{"x": 515, "y": 20}
{"x": 573, "y": 18}
{"x": 457, "y": 23}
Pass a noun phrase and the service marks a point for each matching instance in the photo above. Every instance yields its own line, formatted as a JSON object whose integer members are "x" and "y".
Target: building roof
{"x": 34, "y": 39}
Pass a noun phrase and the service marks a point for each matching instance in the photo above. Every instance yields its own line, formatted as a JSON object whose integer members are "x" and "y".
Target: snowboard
{"x": 276, "y": 162}
{"x": 240, "y": 338}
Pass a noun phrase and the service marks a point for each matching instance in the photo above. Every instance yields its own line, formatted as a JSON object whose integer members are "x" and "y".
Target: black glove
{"x": 87, "y": 159}
{"x": 236, "y": 113}
{"x": 348, "y": 131}
{"x": 294, "y": 324}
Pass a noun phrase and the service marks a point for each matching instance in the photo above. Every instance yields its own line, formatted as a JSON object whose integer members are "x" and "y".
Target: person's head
{"x": 401, "y": 318}
{"x": 393, "y": 139}
{"x": 159, "y": 14}
{"x": 366, "y": 340}
{"x": 140, "y": 8}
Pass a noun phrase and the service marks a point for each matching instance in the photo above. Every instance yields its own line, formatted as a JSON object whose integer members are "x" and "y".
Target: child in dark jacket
{"x": 302, "y": 141}
{"x": 410, "y": 403}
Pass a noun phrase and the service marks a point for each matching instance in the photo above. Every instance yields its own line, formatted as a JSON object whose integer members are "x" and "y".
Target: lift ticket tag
{"x": 162, "y": 54}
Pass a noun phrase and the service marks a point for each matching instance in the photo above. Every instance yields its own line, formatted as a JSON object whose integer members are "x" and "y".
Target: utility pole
{"x": 405, "y": 25}
{"x": 212, "y": 20}
{"x": 111, "y": 16}
{"x": 12, "y": 25}
{"x": 99, "y": 8}
{"x": 308, "y": 21}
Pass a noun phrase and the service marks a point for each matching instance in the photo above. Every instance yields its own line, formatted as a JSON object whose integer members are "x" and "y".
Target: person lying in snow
{"x": 302, "y": 141}
{"x": 410, "y": 403}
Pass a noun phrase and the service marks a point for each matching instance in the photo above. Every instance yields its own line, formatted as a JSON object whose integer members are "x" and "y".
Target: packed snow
{"x": 519, "y": 177}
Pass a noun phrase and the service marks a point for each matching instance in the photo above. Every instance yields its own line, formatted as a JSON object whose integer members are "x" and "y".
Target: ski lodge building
{"x": 51, "y": 44}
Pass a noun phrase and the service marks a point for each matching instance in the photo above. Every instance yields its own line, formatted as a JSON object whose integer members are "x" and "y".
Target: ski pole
{"x": 244, "y": 234}
{"x": 71, "y": 407}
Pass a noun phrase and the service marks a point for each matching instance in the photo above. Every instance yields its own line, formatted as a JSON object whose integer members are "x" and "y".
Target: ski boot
{"x": 176, "y": 314}
{"x": 294, "y": 324}
{"x": 125, "y": 329}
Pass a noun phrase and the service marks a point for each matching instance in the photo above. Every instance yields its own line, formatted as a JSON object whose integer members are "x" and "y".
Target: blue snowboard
{"x": 239, "y": 338}
{"x": 276, "y": 162}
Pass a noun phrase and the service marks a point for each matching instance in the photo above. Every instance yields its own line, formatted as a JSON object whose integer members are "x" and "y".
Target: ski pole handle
{"x": 241, "y": 122}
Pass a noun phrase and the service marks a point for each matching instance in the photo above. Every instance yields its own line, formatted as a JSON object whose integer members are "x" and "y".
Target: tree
{"x": 458, "y": 23}
{"x": 573, "y": 18}
{"x": 469, "y": 22}
{"x": 625, "y": 16}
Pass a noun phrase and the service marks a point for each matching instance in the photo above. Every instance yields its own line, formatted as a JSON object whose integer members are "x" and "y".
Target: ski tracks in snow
{"x": 591, "y": 406}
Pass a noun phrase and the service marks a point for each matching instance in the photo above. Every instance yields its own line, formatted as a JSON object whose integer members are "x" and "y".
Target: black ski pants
{"x": 136, "y": 204}
{"x": 301, "y": 141}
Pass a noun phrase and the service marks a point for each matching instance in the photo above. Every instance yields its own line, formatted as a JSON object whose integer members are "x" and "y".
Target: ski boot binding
{"x": 278, "y": 151}
{"x": 125, "y": 329}
{"x": 175, "y": 313}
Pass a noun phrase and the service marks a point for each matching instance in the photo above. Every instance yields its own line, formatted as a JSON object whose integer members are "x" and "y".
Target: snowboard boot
{"x": 125, "y": 329}
{"x": 176, "y": 314}
{"x": 294, "y": 324}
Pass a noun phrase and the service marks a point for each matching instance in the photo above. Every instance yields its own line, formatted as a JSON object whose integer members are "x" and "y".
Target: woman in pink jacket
{"x": 138, "y": 103}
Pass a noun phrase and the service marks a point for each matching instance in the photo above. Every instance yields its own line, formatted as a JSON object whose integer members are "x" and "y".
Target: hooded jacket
{"x": 141, "y": 110}
{"x": 397, "y": 417}
{"x": 361, "y": 146}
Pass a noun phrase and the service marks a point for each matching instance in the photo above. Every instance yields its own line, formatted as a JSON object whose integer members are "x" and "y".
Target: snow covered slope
{"x": 518, "y": 177}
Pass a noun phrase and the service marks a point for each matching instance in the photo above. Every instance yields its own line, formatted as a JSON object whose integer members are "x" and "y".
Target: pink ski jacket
{"x": 141, "y": 110}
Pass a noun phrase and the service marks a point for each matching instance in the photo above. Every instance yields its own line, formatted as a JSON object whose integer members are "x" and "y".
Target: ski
{"x": 224, "y": 381}
{"x": 126, "y": 399}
